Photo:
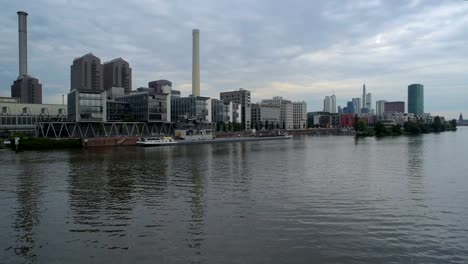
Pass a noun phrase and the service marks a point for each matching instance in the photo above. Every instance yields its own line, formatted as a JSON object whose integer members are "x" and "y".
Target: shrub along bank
{"x": 46, "y": 143}
{"x": 409, "y": 128}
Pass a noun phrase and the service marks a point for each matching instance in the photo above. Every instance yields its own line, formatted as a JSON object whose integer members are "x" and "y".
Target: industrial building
{"x": 27, "y": 88}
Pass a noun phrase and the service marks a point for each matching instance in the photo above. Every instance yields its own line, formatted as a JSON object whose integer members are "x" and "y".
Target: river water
{"x": 312, "y": 199}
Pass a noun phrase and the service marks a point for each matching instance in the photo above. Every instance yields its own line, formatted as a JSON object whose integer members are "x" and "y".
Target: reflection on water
{"x": 27, "y": 212}
{"x": 311, "y": 199}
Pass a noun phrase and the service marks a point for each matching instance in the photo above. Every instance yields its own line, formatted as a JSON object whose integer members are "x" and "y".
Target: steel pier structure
{"x": 59, "y": 130}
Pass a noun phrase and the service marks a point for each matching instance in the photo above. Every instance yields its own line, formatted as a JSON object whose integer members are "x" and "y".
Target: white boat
{"x": 156, "y": 141}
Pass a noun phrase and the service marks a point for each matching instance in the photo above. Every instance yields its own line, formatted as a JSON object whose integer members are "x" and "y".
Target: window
{"x": 25, "y": 110}
{"x": 4, "y": 110}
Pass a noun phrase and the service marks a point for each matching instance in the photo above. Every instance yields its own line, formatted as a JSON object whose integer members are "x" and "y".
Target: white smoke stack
{"x": 196, "y": 63}
{"x": 23, "y": 43}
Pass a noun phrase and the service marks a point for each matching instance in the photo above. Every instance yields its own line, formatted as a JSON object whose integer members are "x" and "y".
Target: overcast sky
{"x": 298, "y": 49}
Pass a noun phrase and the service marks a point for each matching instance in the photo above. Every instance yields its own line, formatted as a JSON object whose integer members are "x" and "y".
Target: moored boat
{"x": 156, "y": 141}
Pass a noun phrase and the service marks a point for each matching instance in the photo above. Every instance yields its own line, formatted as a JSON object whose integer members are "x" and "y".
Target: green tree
{"x": 380, "y": 129}
{"x": 356, "y": 122}
{"x": 396, "y": 129}
{"x": 284, "y": 125}
{"x": 412, "y": 127}
{"x": 437, "y": 124}
{"x": 277, "y": 126}
{"x": 267, "y": 125}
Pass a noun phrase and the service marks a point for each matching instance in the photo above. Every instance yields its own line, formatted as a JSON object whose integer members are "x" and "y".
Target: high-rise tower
{"x": 416, "y": 99}
{"x": 363, "y": 95}
{"x": 196, "y": 63}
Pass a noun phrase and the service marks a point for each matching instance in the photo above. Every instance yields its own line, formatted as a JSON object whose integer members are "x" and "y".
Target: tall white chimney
{"x": 196, "y": 63}
{"x": 23, "y": 43}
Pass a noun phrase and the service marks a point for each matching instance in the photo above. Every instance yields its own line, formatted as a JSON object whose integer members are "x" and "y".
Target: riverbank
{"x": 409, "y": 128}
{"x": 45, "y": 144}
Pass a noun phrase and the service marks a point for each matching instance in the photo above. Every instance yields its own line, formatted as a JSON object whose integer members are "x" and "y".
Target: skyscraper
{"x": 329, "y": 104}
{"x": 380, "y": 107}
{"x": 368, "y": 104}
{"x": 357, "y": 105}
{"x": 86, "y": 74}
{"x": 117, "y": 73}
{"x": 416, "y": 99}
{"x": 364, "y": 96}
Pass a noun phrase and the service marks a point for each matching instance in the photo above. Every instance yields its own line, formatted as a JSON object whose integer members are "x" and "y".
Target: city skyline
{"x": 416, "y": 42}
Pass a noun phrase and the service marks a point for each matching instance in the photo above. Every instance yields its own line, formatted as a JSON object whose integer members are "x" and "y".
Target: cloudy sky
{"x": 299, "y": 49}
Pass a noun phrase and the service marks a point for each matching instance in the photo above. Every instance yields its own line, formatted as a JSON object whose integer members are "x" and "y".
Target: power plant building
{"x": 196, "y": 62}
{"x": 27, "y": 88}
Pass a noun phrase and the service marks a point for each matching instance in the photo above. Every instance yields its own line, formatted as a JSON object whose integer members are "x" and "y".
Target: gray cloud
{"x": 300, "y": 49}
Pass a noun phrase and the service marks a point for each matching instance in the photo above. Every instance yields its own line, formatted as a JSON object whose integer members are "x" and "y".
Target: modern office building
{"x": 263, "y": 113}
{"x": 329, "y": 104}
{"x": 87, "y": 106}
{"x": 349, "y": 108}
{"x": 322, "y": 119}
{"x": 117, "y": 73}
{"x": 193, "y": 108}
{"x": 87, "y": 74}
{"x": 416, "y": 99}
{"x": 299, "y": 115}
{"x": 380, "y": 107}
{"x": 286, "y": 111}
{"x": 357, "y": 105}
{"x": 394, "y": 107}
{"x": 27, "y": 88}
{"x": 175, "y": 93}
{"x": 160, "y": 86}
{"x": 225, "y": 113}
{"x": 148, "y": 106}
{"x": 368, "y": 104}
{"x": 241, "y": 97}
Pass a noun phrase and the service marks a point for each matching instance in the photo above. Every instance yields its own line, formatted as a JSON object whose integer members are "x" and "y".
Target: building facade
{"x": 286, "y": 111}
{"x": 192, "y": 108}
{"x": 117, "y": 73}
{"x": 225, "y": 113}
{"x": 87, "y": 106}
{"x": 329, "y": 104}
{"x": 416, "y": 99}
{"x": 87, "y": 74}
{"x": 148, "y": 107}
{"x": 299, "y": 115}
{"x": 241, "y": 97}
{"x": 264, "y": 113}
{"x": 27, "y": 89}
{"x": 394, "y": 107}
{"x": 18, "y": 117}
{"x": 380, "y": 107}
{"x": 323, "y": 119}
{"x": 357, "y": 105}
